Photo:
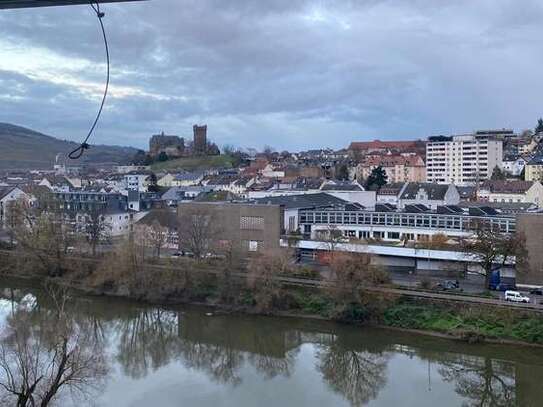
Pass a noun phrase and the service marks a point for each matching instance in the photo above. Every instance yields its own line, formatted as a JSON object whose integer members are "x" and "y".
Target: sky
{"x": 292, "y": 74}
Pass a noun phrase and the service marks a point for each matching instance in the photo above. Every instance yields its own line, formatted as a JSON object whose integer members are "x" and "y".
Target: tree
{"x": 377, "y": 179}
{"x": 539, "y": 127}
{"x": 197, "y": 230}
{"x": 498, "y": 174}
{"x": 264, "y": 269}
{"x": 342, "y": 172}
{"x": 162, "y": 156}
{"x": 45, "y": 233}
{"x": 491, "y": 248}
{"x": 44, "y": 354}
{"x": 157, "y": 236}
{"x": 152, "y": 183}
{"x": 96, "y": 229}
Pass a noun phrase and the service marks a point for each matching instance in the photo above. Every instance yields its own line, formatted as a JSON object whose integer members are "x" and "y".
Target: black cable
{"x": 78, "y": 152}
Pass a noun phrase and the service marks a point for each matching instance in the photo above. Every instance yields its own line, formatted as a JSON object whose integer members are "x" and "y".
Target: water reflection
{"x": 482, "y": 381}
{"x": 351, "y": 362}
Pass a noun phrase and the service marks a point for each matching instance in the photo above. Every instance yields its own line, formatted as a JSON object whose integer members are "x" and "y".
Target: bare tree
{"x": 197, "y": 230}
{"x": 153, "y": 235}
{"x": 96, "y": 229}
{"x": 46, "y": 236}
{"x": 43, "y": 353}
{"x": 489, "y": 247}
{"x": 263, "y": 272}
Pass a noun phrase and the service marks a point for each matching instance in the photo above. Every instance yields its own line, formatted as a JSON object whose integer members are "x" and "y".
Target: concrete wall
{"x": 233, "y": 223}
{"x": 531, "y": 225}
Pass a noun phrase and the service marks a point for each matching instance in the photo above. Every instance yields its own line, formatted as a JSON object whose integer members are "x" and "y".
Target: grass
{"x": 194, "y": 163}
{"x": 464, "y": 322}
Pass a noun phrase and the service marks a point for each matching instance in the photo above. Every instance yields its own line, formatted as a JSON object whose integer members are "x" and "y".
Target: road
{"x": 402, "y": 291}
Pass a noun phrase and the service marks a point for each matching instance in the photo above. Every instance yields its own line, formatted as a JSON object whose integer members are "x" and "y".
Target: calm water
{"x": 181, "y": 357}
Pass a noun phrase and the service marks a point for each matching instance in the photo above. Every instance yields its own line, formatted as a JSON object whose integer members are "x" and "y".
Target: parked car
{"x": 515, "y": 296}
{"x": 537, "y": 291}
{"x": 177, "y": 254}
{"x": 448, "y": 285}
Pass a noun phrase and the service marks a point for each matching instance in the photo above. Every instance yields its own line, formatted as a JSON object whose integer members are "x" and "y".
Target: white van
{"x": 515, "y": 296}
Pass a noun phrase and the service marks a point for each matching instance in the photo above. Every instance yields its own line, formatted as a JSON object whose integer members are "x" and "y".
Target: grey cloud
{"x": 291, "y": 73}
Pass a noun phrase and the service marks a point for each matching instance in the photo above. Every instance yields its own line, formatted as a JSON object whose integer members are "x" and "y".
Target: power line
{"x": 78, "y": 152}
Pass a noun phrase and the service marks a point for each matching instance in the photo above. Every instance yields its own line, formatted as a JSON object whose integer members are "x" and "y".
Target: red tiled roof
{"x": 378, "y": 144}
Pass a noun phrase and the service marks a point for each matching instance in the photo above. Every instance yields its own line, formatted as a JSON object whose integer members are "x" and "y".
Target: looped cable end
{"x": 78, "y": 152}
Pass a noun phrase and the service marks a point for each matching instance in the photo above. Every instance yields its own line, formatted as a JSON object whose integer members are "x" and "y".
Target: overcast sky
{"x": 291, "y": 74}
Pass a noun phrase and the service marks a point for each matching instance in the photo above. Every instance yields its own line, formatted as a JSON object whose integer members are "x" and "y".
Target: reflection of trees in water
{"x": 148, "y": 340}
{"x": 151, "y": 339}
{"x": 221, "y": 363}
{"x": 47, "y": 352}
{"x": 356, "y": 375}
{"x": 482, "y": 381}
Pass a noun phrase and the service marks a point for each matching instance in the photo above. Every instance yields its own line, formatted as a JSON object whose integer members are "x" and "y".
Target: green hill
{"x": 22, "y": 148}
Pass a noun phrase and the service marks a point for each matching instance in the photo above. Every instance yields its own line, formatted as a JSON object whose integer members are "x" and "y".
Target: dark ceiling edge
{"x": 18, "y": 4}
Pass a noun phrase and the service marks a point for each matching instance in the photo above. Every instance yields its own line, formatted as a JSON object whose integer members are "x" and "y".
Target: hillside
{"x": 22, "y": 148}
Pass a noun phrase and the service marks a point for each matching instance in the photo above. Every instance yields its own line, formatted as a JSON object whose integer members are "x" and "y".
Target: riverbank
{"x": 471, "y": 323}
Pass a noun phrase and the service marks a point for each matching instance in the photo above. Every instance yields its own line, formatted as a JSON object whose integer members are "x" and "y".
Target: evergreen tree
{"x": 497, "y": 174}
{"x": 342, "y": 172}
{"x": 377, "y": 179}
{"x": 162, "y": 157}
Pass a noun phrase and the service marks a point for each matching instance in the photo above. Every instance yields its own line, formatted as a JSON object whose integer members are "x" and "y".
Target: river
{"x": 182, "y": 356}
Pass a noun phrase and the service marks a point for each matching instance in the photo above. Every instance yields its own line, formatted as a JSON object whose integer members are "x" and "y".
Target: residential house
{"x": 534, "y": 169}
{"x": 390, "y": 193}
{"x": 398, "y": 168}
{"x": 175, "y": 195}
{"x": 166, "y": 180}
{"x": 187, "y": 179}
{"x": 9, "y": 195}
{"x": 429, "y": 195}
{"x": 166, "y": 219}
{"x": 57, "y": 183}
{"x": 137, "y": 181}
{"x": 512, "y": 192}
{"x": 514, "y": 165}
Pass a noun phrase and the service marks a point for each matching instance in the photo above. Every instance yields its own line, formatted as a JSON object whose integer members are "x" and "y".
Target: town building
{"x": 514, "y": 166}
{"x": 8, "y": 196}
{"x": 511, "y": 192}
{"x": 429, "y": 195}
{"x": 249, "y": 227}
{"x": 359, "y": 148}
{"x": 534, "y": 169}
{"x": 390, "y": 224}
{"x": 398, "y": 168}
{"x": 463, "y": 159}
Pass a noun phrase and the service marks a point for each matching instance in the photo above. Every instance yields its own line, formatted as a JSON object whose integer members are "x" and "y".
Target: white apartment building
{"x": 463, "y": 159}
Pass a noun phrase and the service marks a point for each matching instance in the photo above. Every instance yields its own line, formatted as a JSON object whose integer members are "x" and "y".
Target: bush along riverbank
{"x": 255, "y": 288}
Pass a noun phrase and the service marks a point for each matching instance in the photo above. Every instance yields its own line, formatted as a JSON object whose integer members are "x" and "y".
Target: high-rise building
{"x": 463, "y": 159}
{"x": 200, "y": 139}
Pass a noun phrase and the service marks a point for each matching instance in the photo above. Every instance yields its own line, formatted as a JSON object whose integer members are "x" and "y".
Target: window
{"x": 251, "y": 223}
